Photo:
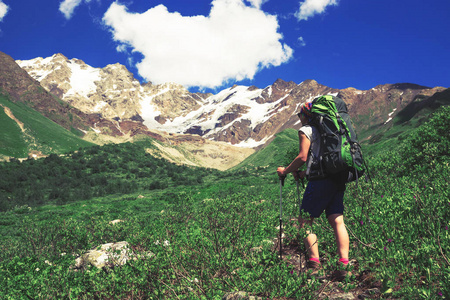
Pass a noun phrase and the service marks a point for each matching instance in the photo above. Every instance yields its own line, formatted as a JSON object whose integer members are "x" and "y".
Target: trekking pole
{"x": 300, "y": 212}
{"x": 298, "y": 190}
{"x": 281, "y": 210}
{"x": 298, "y": 195}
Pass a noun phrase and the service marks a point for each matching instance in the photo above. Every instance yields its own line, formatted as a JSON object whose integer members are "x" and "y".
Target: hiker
{"x": 320, "y": 195}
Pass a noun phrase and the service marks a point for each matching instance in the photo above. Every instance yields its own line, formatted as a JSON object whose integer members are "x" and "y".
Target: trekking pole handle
{"x": 298, "y": 176}
{"x": 282, "y": 178}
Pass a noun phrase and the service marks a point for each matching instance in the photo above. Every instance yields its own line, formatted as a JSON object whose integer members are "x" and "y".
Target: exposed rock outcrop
{"x": 107, "y": 256}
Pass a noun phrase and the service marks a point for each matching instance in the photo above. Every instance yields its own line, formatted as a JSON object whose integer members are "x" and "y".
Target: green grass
{"x": 211, "y": 230}
{"x": 220, "y": 230}
{"x": 12, "y": 142}
{"x": 40, "y": 134}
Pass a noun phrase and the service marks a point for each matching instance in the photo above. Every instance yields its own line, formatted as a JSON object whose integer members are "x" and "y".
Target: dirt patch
{"x": 9, "y": 113}
{"x": 218, "y": 155}
{"x": 170, "y": 153}
{"x": 102, "y": 139}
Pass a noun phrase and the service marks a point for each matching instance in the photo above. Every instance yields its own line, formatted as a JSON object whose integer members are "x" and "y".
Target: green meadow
{"x": 211, "y": 232}
{"x": 40, "y": 133}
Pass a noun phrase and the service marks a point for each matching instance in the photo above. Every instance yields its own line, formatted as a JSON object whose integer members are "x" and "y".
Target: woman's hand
{"x": 299, "y": 175}
{"x": 280, "y": 171}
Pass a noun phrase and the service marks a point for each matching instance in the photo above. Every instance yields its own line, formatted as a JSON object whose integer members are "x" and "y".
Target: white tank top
{"x": 314, "y": 137}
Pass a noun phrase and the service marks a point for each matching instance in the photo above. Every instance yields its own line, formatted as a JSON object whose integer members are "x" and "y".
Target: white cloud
{"x": 122, "y": 48}
{"x": 301, "y": 42}
{"x": 67, "y": 7}
{"x": 309, "y": 8}
{"x": 257, "y": 3}
{"x": 3, "y": 10}
{"x": 233, "y": 42}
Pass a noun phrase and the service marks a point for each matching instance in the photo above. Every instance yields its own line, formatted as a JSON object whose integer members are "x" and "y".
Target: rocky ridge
{"x": 243, "y": 116}
{"x": 111, "y": 91}
{"x": 20, "y": 87}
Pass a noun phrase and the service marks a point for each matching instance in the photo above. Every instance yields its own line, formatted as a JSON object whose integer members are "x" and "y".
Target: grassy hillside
{"x": 12, "y": 142}
{"x": 39, "y": 133}
{"x": 213, "y": 232}
{"x": 274, "y": 154}
{"x": 415, "y": 114}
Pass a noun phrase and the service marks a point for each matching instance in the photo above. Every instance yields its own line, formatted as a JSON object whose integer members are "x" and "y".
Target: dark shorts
{"x": 323, "y": 195}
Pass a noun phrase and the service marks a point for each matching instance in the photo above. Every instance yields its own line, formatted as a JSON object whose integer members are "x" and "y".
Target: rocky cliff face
{"x": 240, "y": 115}
{"x": 379, "y": 105}
{"x": 20, "y": 87}
{"x": 111, "y": 91}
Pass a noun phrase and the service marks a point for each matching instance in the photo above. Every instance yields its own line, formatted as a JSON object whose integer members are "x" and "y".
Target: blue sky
{"x": 209, "y": 45}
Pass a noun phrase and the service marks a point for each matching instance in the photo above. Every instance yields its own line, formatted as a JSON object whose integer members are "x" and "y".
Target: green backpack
{"x": 339, "y": 149}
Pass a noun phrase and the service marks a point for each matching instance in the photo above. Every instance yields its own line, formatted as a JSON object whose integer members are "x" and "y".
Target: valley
{"x": 92, "y": 157}
{"x": 203, "y": 233}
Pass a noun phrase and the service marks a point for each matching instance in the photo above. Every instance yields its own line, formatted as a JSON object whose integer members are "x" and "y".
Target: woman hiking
{"x": 320, "y": 195}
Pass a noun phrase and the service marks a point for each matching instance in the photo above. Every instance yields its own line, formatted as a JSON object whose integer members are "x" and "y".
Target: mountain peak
{"x": 21, "y": 87}
{"x": 309, "y": 81}
{"x": 59, "y": 56}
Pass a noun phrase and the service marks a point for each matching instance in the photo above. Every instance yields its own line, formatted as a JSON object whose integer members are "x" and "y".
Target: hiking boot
{"x": 340, "y": 275}
{"x": 313, "y": 268}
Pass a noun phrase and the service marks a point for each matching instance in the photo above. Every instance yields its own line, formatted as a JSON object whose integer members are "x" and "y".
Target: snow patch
{"x": 95, "y": 129}
{"x": 99, "y": 106}
{"x": 149, "y": 112}
{"x": 42, "y": 71}
{"x": 269, "y": 91}
{"x": 82, "y": 80}
{"x": 251, "y": 143}
{"x": 390, "y": 116}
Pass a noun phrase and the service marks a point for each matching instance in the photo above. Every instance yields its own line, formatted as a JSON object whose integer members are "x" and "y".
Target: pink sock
{"x": 344, "y": 261}
{"x": 314, "y": 259}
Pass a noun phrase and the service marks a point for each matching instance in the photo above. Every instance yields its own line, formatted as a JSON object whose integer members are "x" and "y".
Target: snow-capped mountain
{"x": 111, "y": 91}
{"x": 240, "y": 115}
{"x": 235, "y": 115}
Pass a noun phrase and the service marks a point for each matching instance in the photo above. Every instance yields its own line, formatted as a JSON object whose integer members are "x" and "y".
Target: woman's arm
{"x": 304, "y": 144}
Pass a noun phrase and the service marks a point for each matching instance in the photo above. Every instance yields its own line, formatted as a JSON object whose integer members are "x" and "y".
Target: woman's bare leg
{"x": 340, "y": 232}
